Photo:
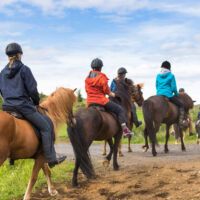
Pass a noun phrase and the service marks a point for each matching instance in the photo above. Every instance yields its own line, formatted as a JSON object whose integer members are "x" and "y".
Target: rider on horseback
{"x": 166, "y": 85}
{"x": 121, "y": 73}
{"x": 18, "y": 88}
{"x": 96, "y": 86}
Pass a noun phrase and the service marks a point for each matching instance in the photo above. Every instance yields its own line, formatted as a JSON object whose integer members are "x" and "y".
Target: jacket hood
{"x": 11, "y": 72}
{"x": 94, "y": 77}
{"x": 164, "y": 75}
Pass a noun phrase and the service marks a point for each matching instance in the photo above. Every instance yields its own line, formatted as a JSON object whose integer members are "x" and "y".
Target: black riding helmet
{"x": 181, "y": 90}
{"x": 122, "y": 70}
{"x": 13, "y": 49}
{"x": 166, "y": 65}
{"x": 96, "y": 63}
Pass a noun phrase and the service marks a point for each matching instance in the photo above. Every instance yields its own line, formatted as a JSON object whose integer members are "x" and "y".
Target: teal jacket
{"x": 166, "y": 85}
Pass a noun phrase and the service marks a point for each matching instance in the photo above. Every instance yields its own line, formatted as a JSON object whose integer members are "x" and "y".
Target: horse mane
{"x": 122, "y": 92}
{"x": 58, "y": 105}
{"x": 187, "y": 101}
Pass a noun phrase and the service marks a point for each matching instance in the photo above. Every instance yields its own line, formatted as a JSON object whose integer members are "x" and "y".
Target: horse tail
{"x": 80, "y": 147}
{"x": 147, "y": 108}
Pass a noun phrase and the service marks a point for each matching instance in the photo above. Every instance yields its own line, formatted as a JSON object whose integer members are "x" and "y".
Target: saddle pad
{"x": 18, "y": 115}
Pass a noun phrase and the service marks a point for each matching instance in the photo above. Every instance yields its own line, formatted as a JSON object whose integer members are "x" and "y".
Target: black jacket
{"x": 18, "y": 88}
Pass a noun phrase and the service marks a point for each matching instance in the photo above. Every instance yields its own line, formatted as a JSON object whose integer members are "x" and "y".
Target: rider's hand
{"x": 112, "y": 94}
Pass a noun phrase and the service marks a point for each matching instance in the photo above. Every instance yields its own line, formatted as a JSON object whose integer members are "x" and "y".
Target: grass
{"x": 14, "y": 179}
{"x": 139, "y": 138}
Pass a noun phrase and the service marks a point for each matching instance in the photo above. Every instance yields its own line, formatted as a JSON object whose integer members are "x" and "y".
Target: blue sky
{"x": 61, "y": 37}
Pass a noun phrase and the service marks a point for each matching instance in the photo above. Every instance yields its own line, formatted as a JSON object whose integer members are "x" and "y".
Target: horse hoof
{"x": 166, "y": 151}
{"x": 184, "y": 150}
{"x": 155, "y": 154}
{"x": 105, "y": 163}
{"x": 53, "y": 193}
{"x": 121, "y": 154}
{"x": 116, "y": 168}
{"x": 130, "y": 150}
{"x": 103, "y": 154}
{"x": 144, "y": 149}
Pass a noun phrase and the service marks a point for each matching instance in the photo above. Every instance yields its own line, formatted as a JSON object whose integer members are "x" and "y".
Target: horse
{"x": 94, "y": 124}
{"x": 197, "y": 127}
{"x": 157, "y": 110}
{"x": 137, "y": 97}
{"x": 19, "y": 141}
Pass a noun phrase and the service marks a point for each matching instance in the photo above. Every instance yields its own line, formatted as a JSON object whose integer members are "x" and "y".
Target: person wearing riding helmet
{"x": 180, "y": 92}
{"x": 121, "y": 73}
{"x": 166, "y": 86}
{"x": 96, "y": 86}
{"x": 18, "y": 88}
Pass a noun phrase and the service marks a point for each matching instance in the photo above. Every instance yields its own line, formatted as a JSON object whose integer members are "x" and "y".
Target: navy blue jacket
{"x": 18, "y": 88}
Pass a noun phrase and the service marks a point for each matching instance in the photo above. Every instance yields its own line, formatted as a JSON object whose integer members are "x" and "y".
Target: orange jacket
{"x": 96, "y": 87}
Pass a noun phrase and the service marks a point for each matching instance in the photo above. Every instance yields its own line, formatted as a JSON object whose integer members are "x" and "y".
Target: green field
{"x": 14, "y": 179}
{"x": 139, "y": 138}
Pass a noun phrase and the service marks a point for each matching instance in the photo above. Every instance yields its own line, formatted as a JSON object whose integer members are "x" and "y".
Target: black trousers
{"x": 117, "y": 109}
{"x": 135, "y": 118}
{"x": 177, "y": 102}
{"x": 45, "y": 126}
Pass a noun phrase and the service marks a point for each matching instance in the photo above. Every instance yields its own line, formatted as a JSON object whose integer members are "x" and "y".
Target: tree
{"x": 79, "y": 96}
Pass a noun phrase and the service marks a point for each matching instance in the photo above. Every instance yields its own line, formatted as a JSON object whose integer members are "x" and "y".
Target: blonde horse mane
{"x": 58, "y": 106}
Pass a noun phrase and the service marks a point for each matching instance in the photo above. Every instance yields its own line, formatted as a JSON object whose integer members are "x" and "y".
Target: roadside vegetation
{"x": 14, "y": 179}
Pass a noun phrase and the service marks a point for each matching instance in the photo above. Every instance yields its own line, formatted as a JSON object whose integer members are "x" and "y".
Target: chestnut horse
{"x": 138, "y": 98}
{"x": 157, "y": 110}
{"x": 19, "y": 141}
{"x": 93, "y": 124}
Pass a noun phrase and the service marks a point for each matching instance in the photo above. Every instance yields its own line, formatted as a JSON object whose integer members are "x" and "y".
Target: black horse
{"x": 91, "y": 124}
{"x": 158, "y": 110}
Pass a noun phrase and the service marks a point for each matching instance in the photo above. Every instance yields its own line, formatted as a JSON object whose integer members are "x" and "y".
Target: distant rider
{"x": 166, "y": 85}
{"x": 96, "y": 86}
{"x": 121, "y": 73}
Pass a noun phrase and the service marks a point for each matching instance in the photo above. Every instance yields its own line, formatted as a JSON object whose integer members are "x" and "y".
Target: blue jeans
{"x": 46, "y": 128}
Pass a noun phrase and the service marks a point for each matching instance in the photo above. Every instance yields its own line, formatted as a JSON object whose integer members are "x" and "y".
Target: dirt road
{"x": 175, "y": 175}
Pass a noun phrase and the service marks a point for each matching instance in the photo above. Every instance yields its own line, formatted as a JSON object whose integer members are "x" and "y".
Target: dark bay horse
{"x": 19, "y": 141}
{"x": 136, "y": 97}
{"x": 92, "y": 124}
{"x": 157, "y": 110}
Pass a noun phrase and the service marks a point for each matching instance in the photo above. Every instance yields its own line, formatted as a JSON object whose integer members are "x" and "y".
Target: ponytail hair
{"x": 12, "y": 59}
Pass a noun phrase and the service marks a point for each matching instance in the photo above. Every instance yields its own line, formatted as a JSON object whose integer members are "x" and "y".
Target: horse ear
{"x": 75, "y": 89}
{"x": 141, "y": 85}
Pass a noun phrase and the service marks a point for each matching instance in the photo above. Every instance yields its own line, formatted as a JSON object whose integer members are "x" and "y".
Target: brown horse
{"x": 157, "y": 110}
{"x": 19, "y": 141}
{"x": 92, "y": 124}
{"x": 138, "y": 98}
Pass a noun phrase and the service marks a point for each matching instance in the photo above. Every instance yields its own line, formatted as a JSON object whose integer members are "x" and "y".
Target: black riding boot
{"x": 182, "y": 121}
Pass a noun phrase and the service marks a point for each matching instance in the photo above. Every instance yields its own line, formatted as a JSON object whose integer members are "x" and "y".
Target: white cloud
{"x": 120, "y": 7}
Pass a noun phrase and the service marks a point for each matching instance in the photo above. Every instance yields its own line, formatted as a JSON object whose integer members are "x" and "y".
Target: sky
{"x": 61, "y": 37}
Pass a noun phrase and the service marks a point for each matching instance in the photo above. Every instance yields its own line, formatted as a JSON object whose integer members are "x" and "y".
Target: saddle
{"x": 15, "y": 113}
{"x": 99, "y": 107}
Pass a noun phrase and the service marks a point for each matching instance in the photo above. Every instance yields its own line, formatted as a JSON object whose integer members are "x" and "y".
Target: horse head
{"x": 138, "y": 94}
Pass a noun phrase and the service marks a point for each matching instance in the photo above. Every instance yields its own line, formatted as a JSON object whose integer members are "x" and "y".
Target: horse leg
{"x": 116, "y": 144}
{"x": 47, "y": 172}
{"x": 166, "y": 139}
{"x": 104, "y": 148}
{"x": 152, "y": 136}
{"x": 182, "y": 142}
{"x": 129, "y": 145}
{"x": 75, "y": 173}
{"x": 146, "y": 146}
{"x": 109, "y": 156}
{"x": 4, "y": 151}
{"x": 39, "y": 162}
{"x": 120, "y": 149}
